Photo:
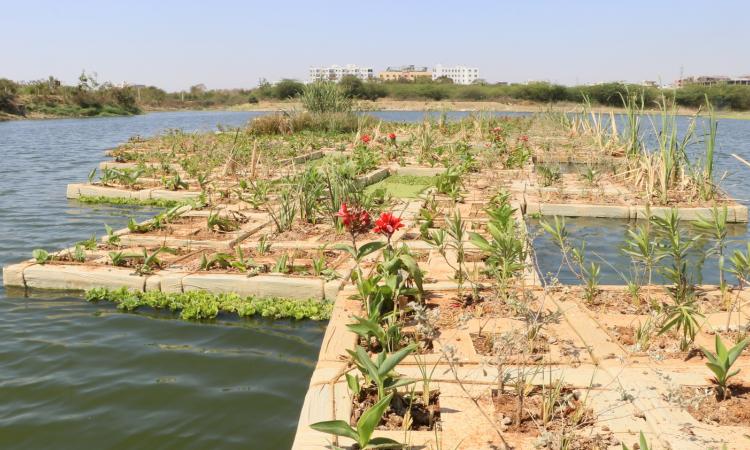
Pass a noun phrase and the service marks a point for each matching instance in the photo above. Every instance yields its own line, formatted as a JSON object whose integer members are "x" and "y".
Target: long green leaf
{"x": 336, "y": 427}
{"x": 394, "y": 358}
{"x": 370, "y": 419}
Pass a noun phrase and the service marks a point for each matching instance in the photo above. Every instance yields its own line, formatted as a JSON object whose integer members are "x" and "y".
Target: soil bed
{"x": 705, "y": 406}
{"x": 423, "y": 417}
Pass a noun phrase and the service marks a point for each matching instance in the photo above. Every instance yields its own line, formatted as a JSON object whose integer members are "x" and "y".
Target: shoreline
{"x": 399, "y": 105}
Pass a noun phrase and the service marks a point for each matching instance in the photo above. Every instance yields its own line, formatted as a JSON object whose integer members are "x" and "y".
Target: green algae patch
{"x": 402, "y": 186}
{"x": 201, "y": 305}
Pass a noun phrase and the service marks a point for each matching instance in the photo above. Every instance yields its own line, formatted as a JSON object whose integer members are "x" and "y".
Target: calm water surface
{"x": 80, "y": 376}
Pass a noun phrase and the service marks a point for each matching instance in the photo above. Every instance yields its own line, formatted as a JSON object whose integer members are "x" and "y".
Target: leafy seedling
{"x": 366, "y": 424}
{"x": 721, "y": 363}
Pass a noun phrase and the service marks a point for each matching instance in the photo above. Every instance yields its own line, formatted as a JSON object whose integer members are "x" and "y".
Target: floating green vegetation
{"x": 99, "y": 199}
{"x": 402, "y": 186}
{"x": 201, "y": 305}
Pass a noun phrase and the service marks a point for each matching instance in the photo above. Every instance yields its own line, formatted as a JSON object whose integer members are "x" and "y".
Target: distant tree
{"x": 197, "y": 89}
{"x": 444, "y": 80}
{"x": 8, "y": 92}
{"x": 287, "y": 88}
{"x": 351, "y": 86}
{"x": 373, "y": 91}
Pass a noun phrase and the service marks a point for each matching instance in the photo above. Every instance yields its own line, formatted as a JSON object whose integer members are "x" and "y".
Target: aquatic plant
{"x": 197, "y": 305}
{"x": 130, "y": 201}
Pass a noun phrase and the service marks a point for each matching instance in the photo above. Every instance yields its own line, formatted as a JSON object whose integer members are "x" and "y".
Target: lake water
{"x": 76, "y": 375}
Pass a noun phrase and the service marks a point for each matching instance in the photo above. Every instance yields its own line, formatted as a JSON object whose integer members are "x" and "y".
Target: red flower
{"x": 355, "y": 220}
{"x": 524, "y": 138}
{"x": 392, "y": 136}
{"x": 365, "y": 138}
{"x": 387, "y": 224}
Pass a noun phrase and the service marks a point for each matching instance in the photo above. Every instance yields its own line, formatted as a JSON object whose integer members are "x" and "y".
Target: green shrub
{"x": 325, "y": 97}
{"x": 286, "y": 89}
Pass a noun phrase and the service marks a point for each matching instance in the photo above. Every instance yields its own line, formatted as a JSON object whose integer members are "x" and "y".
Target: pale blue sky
{"x": 223, "y": 43}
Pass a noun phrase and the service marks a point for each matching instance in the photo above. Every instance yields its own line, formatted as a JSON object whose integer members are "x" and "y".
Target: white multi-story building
{"x": 459, "y": 74}
{"x": 336, "y": 73}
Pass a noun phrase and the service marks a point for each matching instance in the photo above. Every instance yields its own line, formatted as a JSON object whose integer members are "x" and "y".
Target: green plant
{"x": 643, "y": 443}
{"x": 643, "y": 334}
{"x": 151, "y": 261}
{"x": 452, "y": 238}
{"x": 117, "y": 258}
{"x": 715, "y": 227}
{"x": 642, "y": 249}
{"x": 220, "y": 260}
{"x": 284, "y": 217}
{"x": 174, "y": 183}
{"x": 264, "y": 245}
{"x": 721, "y": 363}
{"x": 88, "y": 244}
{"x": 591, "y": 277}
{"x": 216, "y": 222}
{"x": 366, "y": 424}
{"x": 590, "y": 176}
{"x": 682, "y": 316}
{"x": 79, "y": 254}
{"x": 204, "y": 305}
{"x": 325, "y": 97}
{"x": 41, "y": 256}
{"x": 98, "y": 199}
{"x": 309, "y": 193}
{"x": 282, "y": 265}
{"x": 450, "y": 183}
{"x": 548, "y": 175}
{"x": 380, "y": 372}
{"x": 241, "y": 263}
{"x": 505, "y": 251}
{"x": 112, "y": 238}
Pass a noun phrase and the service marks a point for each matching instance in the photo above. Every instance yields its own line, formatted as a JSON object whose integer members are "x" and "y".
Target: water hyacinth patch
{"x": 200, "y": 305}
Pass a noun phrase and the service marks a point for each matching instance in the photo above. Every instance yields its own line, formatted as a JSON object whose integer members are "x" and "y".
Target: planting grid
{"x": 588, "y": 345}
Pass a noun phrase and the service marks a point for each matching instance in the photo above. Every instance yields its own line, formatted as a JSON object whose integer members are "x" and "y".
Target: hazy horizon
{"x": 232, "y": 44}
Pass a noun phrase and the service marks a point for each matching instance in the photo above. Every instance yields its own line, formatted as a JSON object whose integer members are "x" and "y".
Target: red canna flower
{"x": 392, "y": 136}
{"x": 387, "y": 224}
{"x": 355, "y": 220}
{"x": 365, "y": 138}
{"x": 345, "y": 215}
